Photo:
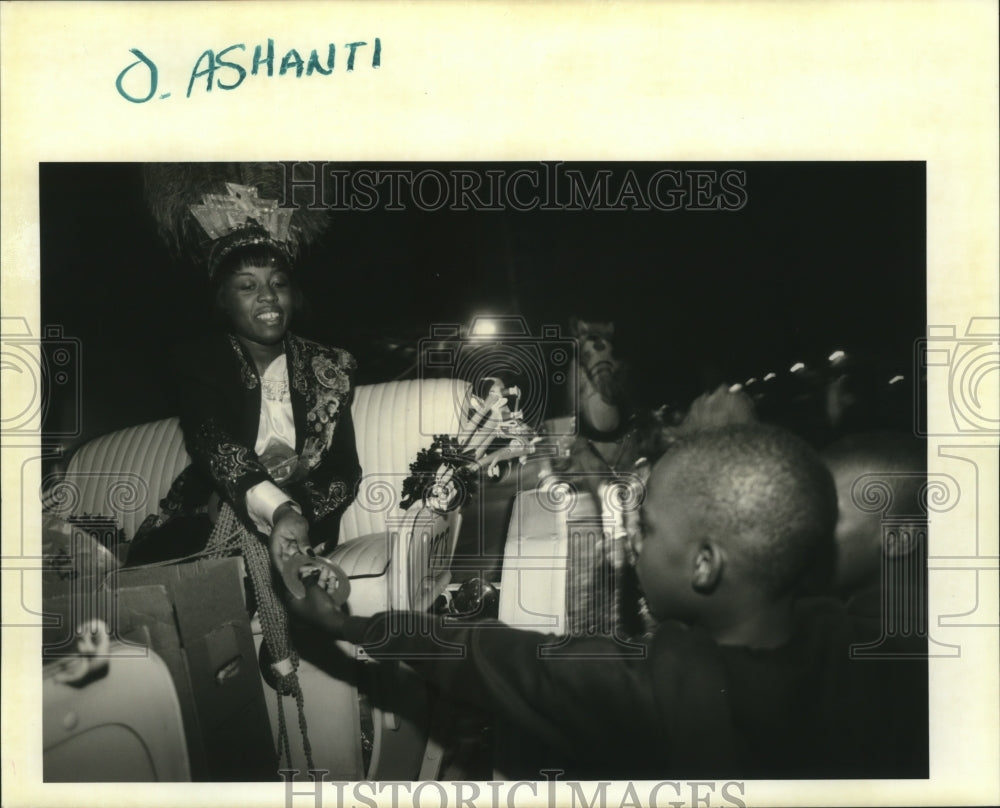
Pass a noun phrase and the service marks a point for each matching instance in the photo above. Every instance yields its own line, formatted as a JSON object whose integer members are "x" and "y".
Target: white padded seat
{"x": 392, "y": 422}
{"x": 422, "y": 541}
{"x": 533, "y": 593}
{"x": 124, "y": 474}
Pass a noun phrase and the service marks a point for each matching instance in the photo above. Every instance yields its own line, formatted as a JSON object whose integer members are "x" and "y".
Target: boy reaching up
{"x": 739, "y": 680}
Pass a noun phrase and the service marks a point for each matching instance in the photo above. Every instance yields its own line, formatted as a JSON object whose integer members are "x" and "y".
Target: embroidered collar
{"x": 274, "y": 380}
{"x": 247, "y": 370}
{"x": 296, "y": 364}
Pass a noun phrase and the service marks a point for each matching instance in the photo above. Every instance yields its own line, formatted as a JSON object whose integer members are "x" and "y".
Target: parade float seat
{"x": 402, "y": 557}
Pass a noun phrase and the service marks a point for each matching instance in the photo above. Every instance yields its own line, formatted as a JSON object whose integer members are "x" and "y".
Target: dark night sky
{"x": 822, "y": 256}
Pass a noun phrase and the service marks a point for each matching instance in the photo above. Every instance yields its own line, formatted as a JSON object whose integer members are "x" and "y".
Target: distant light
{"x": 735, "y": 388}
{"x": 484, "y": 327}
{"x": 895, "y": 379}
{"x": 797, "y": 367}
{"x": 769, "y": 376}
{"x": 751, "y": 380}
{"x": 836, "y": 356}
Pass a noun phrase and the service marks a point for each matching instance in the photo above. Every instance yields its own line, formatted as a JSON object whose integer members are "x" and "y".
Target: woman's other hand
{"x": 290, "y": 534}
{"x": 718, "y": 409}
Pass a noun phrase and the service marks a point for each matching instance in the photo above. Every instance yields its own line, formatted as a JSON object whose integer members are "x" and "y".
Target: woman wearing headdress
{"x": 265, "y": 413}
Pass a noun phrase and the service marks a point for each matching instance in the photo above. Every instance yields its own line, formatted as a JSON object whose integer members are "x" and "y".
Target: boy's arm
{"x": 573, "y": 693}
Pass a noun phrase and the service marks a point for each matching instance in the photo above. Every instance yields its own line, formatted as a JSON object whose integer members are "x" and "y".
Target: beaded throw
{"x": 230, "y": 536}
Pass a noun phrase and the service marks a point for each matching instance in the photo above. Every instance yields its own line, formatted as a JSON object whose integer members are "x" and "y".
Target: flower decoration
{"x": 329, "y": 374}
{"x": 492, "y": 432}
{"x": 440, "y": 470}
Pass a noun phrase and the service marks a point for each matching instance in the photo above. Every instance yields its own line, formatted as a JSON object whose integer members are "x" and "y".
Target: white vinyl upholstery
{"x": 534, "y": 582}
{"x": 126, "y": 473}
{"x": 392, "y": 422}
{"x": 426, "y": 541}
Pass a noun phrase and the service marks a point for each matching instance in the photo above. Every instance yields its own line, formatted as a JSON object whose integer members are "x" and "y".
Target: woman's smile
{"x": 270, "y": 316}
{"x": 257, "y": 301}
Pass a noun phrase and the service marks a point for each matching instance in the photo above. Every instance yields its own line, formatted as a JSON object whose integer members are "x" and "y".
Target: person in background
{"x": 881, "y": 537}
{"x": 880, "y": 572}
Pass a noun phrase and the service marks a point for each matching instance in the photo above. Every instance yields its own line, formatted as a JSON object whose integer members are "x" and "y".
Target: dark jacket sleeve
{"x": 341, "y": 461}
{"x": 345, "y": 449}
{"x": 208, "y": 396}
{"x": 573, "y": 693}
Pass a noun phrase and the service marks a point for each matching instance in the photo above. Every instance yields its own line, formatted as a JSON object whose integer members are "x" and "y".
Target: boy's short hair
{"x": 766, "y": 493}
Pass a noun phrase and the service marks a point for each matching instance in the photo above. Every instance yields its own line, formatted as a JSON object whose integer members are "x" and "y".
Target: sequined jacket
{"x": 219, "y": 398}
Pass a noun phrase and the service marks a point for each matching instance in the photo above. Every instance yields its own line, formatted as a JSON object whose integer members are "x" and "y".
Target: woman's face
{"x": 257, "y": 301}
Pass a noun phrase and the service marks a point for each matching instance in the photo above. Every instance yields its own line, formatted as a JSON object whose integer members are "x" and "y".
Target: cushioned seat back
{"x": 126, "y": 473}
{"x": 392, "y": 422}
{"x": 543, "y": 587}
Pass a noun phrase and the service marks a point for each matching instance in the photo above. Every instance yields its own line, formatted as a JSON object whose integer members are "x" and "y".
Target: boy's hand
{"x": 318, "y": 609}
{"x": 290, "y": 535}
{"x": 307, "y": 567}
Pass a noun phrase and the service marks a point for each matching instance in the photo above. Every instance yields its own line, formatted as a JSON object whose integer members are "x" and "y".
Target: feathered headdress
{"x": 203, "y": 211}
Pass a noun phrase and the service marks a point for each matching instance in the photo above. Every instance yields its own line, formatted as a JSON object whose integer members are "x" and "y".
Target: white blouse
{"x": 277, "y": 423}
{"x": 276, "y": 433}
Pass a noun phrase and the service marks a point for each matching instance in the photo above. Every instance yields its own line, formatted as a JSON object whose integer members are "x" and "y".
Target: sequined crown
{"x": 240, "y": 217}
{"x": 221, "y": 214}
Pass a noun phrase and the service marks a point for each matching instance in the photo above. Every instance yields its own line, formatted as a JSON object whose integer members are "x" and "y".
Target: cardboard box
{"x": 221, "y": 661}
{"x": 194, "y": 617}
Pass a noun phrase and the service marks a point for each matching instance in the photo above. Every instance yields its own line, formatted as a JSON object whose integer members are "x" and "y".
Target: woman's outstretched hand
{"x": 290, "y": 535}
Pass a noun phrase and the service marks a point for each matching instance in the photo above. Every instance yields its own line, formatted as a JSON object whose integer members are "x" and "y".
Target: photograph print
{"x": 477, "y": 471}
